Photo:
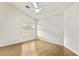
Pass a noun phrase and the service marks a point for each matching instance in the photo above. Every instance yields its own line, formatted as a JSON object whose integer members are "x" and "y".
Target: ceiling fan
{"x": 36, "y": 9}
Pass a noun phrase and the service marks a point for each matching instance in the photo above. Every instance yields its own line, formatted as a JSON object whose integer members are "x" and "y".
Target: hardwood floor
{"x": 35, "y": 48}
{"x": 12, "y": 50}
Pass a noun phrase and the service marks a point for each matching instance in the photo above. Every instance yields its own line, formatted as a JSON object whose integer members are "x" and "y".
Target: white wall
{"x": 51, "y": 28}
{"x": 71, "y": 39}
{"x": 11, "y": 20}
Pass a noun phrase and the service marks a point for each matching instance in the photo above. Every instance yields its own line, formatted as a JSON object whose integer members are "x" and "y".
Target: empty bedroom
{"x": 39, "y": 29}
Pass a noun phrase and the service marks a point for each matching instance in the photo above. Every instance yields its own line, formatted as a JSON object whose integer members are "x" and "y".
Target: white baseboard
{"x": 6, "y": 43}
{"x": 44, "y": 39}
{"x": 72, "y": 50}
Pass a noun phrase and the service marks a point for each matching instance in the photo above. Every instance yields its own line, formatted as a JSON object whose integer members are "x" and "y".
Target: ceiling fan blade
{"x": 34, "y": 3}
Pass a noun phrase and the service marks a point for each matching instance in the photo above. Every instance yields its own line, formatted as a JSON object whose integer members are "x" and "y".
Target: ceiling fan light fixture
{"x": 37, "y": 10}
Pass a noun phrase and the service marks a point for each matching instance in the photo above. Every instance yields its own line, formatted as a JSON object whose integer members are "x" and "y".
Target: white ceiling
{"x": 51, "y": 8}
